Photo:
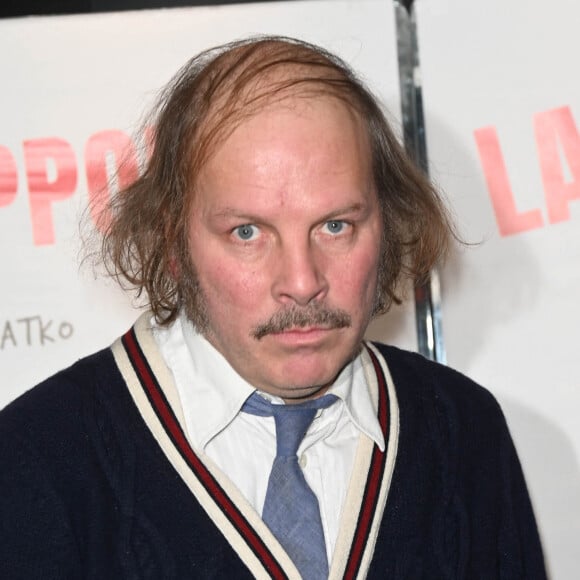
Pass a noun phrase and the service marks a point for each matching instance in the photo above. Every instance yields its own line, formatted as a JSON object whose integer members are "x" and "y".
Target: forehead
{"x": 295, "y": 148}
{"x": 314, "y": 127}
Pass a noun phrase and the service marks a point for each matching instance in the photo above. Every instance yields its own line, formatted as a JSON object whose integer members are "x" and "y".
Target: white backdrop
{"x": 502, "y": 101}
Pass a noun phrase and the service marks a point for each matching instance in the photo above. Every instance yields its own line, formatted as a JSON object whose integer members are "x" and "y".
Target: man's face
{"x": 284, "y": 238}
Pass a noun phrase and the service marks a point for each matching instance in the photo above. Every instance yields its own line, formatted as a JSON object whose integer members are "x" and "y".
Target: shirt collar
{"x": 352, "y": 388}
{"x": 216, "y": 391}
{"x": 212, "y": 392}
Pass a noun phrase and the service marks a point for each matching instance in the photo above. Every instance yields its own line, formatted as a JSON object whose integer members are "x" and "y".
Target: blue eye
{"x": 335, "y": 226}
{"x": 246, "y": 232}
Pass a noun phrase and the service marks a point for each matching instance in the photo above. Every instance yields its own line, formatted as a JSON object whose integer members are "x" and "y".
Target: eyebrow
{"x": 232, "y": 212}
{"x": 350, "y": 209}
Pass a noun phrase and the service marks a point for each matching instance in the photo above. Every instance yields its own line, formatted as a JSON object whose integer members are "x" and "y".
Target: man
{"x": 276, "y": 217}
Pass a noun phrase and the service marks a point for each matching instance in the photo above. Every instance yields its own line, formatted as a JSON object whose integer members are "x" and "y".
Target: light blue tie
{"x": 291, "y": 509}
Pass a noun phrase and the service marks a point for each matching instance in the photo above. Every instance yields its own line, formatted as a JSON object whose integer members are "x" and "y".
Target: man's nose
{"x": 299, "y": 274}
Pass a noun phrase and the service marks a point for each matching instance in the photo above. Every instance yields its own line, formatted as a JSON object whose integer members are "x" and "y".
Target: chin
{"x": 305, "y": 385}
{"x": 298, "y": 394}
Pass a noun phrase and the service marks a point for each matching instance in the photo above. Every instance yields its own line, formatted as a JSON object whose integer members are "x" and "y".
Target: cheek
{"x": 356, "y": 280}
{"x": 232, "y": 290}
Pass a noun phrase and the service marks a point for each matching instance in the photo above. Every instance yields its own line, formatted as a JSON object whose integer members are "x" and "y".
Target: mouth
{"x": 302, "y": 336}
{"x": 303, "y": 322}
{"x": 301, "y": 330}
{"x": 305, "y": 328}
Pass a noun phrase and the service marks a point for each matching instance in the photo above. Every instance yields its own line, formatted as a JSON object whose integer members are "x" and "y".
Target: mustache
{"x": 300, "y": 317}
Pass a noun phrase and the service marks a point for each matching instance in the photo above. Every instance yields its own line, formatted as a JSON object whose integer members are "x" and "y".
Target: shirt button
{"x": 302, "y": 461}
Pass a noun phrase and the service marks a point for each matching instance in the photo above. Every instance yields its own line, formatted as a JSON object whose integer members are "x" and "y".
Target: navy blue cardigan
{"x": 86, "y": 490}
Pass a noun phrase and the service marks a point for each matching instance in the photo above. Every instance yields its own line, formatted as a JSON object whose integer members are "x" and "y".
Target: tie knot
{"x": 291, "y": 426}
{"x": 292, "y": 421}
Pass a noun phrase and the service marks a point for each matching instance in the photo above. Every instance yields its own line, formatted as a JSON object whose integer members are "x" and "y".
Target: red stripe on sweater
{"x": 375, "y": 477}
{"x": 172, "y": 427}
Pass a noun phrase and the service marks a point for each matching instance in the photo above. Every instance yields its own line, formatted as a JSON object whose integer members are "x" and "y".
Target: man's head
{"x": 277, "y": 209}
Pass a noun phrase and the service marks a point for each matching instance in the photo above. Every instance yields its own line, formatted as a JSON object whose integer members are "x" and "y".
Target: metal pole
{"x": 427, "y": 296}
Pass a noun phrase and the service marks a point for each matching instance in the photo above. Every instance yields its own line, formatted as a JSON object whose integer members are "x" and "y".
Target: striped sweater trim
{"x": 381, "y": 474}
{"x": 375, "y": 476}
{"x": 135, "y": 354}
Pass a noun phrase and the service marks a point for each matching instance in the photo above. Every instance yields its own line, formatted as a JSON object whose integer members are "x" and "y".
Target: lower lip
{"x": 301, "y": 336}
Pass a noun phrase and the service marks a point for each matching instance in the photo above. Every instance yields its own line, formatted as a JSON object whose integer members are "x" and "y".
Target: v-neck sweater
{"x": 97, "y": 480}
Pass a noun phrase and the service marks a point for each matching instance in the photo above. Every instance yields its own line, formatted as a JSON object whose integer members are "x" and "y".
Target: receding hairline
{"x": 250, "y": 76}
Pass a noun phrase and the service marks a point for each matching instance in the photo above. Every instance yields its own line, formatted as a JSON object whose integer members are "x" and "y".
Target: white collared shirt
{"x": 243, "y": 446}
